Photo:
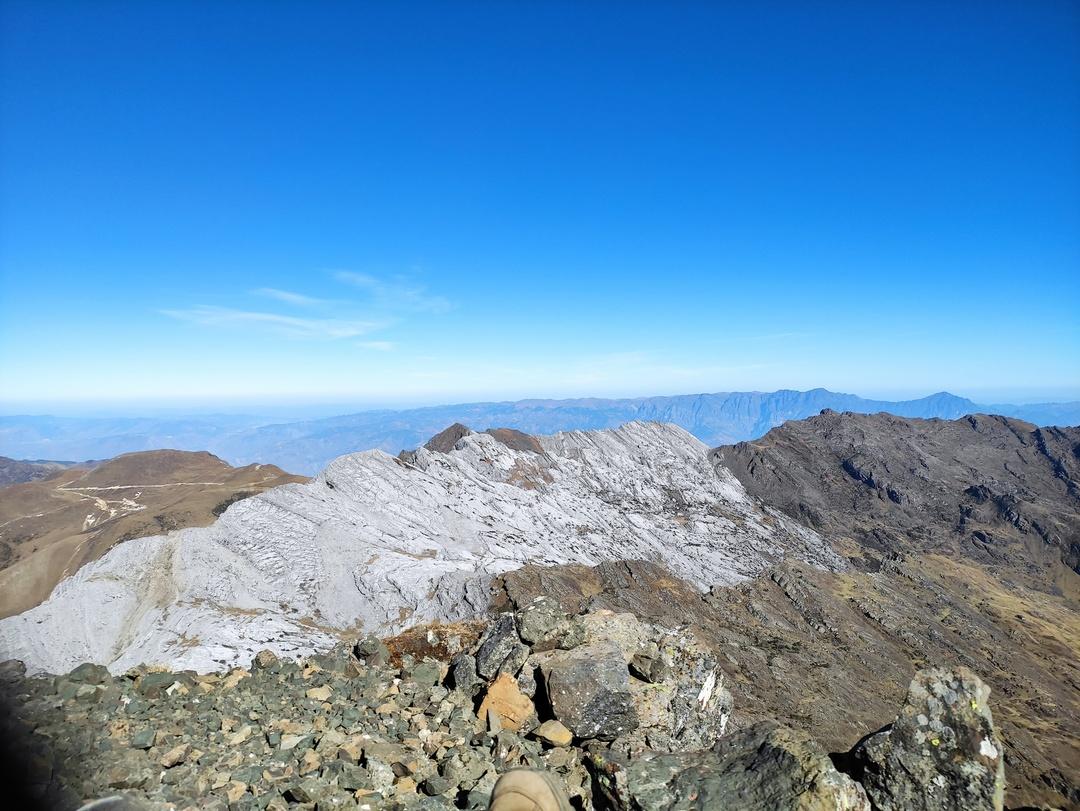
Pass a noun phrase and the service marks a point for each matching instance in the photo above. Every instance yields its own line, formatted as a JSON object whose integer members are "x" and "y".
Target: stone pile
{"x": 623, "y": 714}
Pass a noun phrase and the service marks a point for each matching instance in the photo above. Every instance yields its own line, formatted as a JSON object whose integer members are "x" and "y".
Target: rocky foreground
{"x": 627, "y": 715}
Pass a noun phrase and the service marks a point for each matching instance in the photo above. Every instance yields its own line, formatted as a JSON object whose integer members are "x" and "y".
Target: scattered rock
{"x": 175, "y": 756}
{"x": 463, "y": 675}
{"x": 644, "y": 707}
{"x": 371, "y": 651}
{"x": 496, "y": 645}
{"x": 264, "y": 660}
{"x": 554, "y": 733}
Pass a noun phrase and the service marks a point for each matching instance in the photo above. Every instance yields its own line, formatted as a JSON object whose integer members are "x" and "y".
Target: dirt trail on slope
{"x": 50, "y": 528}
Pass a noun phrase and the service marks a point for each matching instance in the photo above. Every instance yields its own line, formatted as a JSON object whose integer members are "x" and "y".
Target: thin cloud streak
{"x": 317, "y": 328}
{"x": 397, "y": 294}
{"x": 289, "y": 297}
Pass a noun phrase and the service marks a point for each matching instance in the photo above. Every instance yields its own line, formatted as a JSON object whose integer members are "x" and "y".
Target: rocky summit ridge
{"x": 377, "y": 543}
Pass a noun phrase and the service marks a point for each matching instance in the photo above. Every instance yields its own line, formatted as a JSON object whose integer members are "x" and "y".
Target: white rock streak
{"x": 375, "y": 543}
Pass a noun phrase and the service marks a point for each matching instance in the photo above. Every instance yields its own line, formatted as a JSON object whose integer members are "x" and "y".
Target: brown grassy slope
{"x": 50, "y": 528}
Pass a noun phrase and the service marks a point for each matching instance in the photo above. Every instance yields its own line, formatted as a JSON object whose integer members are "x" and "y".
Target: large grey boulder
{"x": 589, "y": 691}
{"x": 765, "y": 767}
{"x": 676, "y": 684}
{"x": 942, "y": 752}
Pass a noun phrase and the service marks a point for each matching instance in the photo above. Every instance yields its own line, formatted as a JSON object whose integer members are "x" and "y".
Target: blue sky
{"x": 399, "y": 203}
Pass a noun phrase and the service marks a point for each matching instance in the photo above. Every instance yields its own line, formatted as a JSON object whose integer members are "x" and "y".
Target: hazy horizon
{"x": 302, "y": 409}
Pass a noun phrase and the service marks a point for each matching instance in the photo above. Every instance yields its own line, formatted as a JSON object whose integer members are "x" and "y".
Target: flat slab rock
{"x": 376, "y": 543}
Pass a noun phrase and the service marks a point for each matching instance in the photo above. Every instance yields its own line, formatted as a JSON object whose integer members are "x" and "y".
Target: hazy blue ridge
{"x": 306, "y": 446}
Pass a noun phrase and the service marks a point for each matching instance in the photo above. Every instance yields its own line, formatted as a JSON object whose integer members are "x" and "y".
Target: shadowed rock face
{"x": 998, "y": 491}
{"x": 765, "y": 767}
{"x": 941, "y": 753}
{"x": 445, "y": 440}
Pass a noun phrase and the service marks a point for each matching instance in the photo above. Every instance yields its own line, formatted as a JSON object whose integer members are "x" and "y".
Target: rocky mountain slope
{"x": 52, "y": 527}
{"x": 935, "y": 543}
{"x": 992, "y": 489}
{"x": 833, "y": 652}
{"x": 378, "y": 542}
{"x": 308, "y": 445}
{"x": 17, "y": 471}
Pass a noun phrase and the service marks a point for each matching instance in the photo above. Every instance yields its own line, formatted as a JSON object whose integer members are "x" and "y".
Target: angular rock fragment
{"x": 589, "y": 691}
{"x": 554, "y": 733}
{"x": 503, "y": 698}
{"x": 496, "y": 645}
{"x": 765, "y": 767}
{"x": 371, "y": 651}
{"x": 941, "y": 753}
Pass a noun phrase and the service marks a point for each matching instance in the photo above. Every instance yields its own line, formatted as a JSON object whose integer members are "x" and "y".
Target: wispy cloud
{"x": 289, "y": 297}
{"x": 395, "y": 294}
{"x": 380, "y": 303}
{"x": 325, "y": 328}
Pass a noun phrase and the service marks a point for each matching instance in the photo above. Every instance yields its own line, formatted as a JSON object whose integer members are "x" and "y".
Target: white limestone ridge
{"x": 375, "y": 543}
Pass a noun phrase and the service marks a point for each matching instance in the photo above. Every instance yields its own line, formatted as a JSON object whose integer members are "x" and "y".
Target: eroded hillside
{"x": 52, "y": 527}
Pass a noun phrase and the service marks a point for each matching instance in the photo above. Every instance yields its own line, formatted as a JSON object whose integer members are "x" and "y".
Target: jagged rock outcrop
{"x": 941, "y": 753}
{"x": 379, "y": 543}
{"x": 833, "y": 652}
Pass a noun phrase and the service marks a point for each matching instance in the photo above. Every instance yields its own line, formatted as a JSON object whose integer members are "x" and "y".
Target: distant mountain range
{"x": 306, "y": 447}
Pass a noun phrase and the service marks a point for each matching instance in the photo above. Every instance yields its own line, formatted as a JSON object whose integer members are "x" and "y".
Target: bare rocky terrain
{"x": 378, "y": 543}
{"x": 993, "y": 490}
{"x": 52, "y": 526}
{"x": 667, "y": 627}
{"x": 619, "y": 713}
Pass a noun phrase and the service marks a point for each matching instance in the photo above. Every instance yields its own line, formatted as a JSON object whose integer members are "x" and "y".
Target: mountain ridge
{"x": 380, "y": 542}
{"x": 306, "y": 446}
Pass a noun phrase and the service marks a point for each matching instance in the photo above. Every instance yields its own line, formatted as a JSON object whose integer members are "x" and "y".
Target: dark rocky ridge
{"x": 992, "y": 489}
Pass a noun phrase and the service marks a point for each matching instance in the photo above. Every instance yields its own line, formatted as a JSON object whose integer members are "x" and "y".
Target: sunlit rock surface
{"x": 377, "y": 542}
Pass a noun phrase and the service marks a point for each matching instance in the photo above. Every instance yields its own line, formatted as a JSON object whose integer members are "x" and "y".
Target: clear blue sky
{"x": 411, "y": 202}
